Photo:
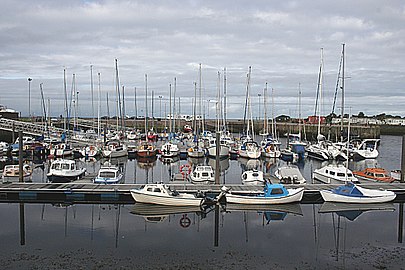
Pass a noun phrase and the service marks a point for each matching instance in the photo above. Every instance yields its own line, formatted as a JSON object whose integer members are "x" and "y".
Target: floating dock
{"x": 82, "y": 192}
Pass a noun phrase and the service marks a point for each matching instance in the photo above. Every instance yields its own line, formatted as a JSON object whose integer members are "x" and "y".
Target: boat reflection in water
{"x": 158, "y": 213}
{"x": 269, "y": 212}
{"x": 351, "y": 211}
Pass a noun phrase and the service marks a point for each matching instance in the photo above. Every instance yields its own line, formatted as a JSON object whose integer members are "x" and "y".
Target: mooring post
{"x": 216, "y": 224}
{"x": 401, "y": 223}
{"x": 217, "y": 150}
{"x": 20, "y": 156}
{"x": 22, "y": 225}
{"x": 12, "y": 133}
{"x": 403, "y": 160}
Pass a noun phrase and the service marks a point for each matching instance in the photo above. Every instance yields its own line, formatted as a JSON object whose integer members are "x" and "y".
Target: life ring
{"x": 185, "y": 222}
{"x": 185, "y": 170}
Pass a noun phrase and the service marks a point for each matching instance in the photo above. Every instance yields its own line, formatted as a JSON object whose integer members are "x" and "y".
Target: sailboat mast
{"x": 92, "y": 96}
{"x": 170, "y": 108}
{"x": 195, "y": 108}
{"x": 99, "y": 106}
{"x": 174, "y": 105}
{"x": 123, "y": 108}
{"x": 299, "y": 111}
{"x": 66, "y": 103}
{"x": 136, "y": 108}
{"x": 146, "y": 106}
{"x": 343, "y": 92}
{"x": 225, "y": 125}
{"x": 273, "y": 123}
{"x": 320, "y": 92}
{"x": 218, "y": 99}
{"x": 265, "y": 121}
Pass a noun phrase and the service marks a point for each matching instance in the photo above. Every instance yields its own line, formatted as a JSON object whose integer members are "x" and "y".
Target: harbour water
{"x": 131, "y": 236}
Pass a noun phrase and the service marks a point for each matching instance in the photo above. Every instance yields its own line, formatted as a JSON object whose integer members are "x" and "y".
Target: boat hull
{"x": 295, "y": 195}
{"x": 180, "y": 200}
{"x": 385, "y": 196}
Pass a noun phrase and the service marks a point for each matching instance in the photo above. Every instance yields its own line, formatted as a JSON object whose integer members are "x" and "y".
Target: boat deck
{"x": 83, "y": 191}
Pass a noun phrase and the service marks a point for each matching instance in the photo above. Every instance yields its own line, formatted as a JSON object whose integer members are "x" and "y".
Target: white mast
{"x": 99, "y": 106}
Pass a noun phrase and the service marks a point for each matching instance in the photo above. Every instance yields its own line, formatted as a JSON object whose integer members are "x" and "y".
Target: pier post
{"x": 22, "y": 224}
{"x": 20, "y": 156}
{"x": 12, "y": 133}
{"x": 217, "y": 150}
{"x": 216, "y": 225}
{"x": 403, "y": 160}
{"x": 401, "y": 223}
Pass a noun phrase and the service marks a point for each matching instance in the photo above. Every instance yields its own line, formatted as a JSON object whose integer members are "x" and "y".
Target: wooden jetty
{"x": 85, "y": 192}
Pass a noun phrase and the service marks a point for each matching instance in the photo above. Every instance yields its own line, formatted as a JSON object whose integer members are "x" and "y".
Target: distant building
{"x": 8, "y": 113}
{"x": 395, "y": 121}
{"x": 315, "y": 119}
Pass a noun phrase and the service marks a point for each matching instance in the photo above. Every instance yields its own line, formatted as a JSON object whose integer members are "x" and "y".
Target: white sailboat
{"x": 249, "y": 148}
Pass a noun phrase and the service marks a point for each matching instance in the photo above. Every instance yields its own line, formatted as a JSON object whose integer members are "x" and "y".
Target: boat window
{"x": 255, "y": 174}
{"x": 327, "y": 171}
{"x": 340, "y": 174}
{"x": 379, "y": 175}
{"x": 157, "y": 190}
{"x": 204, "y": 174}
{"x": 349, "y": 175}
{"x": 149, "y": 189}
{"x": 244, "y": 176}
{"x": 332, "y": 173}
{"x": 65, "y": 166}
{"x": 72, "y": 166}
{"x": 56, "y": 166}
{"x": 107, "y": 174}
{"x": 275, "y": 191}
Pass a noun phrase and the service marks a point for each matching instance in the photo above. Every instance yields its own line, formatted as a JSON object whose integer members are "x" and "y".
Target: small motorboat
{"x": 169, "y": 150}
{"x": 272, "y": 194}
{"x": 202, "y": 174}
{"x": 115, "y": 149}
{"x": 109, "y": 174}
{"x": 12, "y": 172}
{"x": 334, "y": 173}
{"x": 64, "y": 170}
{"x": 162, "y": 194}
{"x": 253, "y": 177}
{"x": 374, "y": 174}
{"x": 351, "y": 193}
{"x": 290, "y": 174}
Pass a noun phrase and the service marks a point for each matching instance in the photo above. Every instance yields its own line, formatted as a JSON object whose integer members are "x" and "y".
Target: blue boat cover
{"x": 349, "y": 189}
{"x": 274, "y": 190}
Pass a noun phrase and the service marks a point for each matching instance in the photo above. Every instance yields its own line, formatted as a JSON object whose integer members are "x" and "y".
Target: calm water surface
{"x": 137, "y": 237}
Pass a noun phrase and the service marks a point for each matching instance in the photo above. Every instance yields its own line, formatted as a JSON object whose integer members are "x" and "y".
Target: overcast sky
{"x": 280, "y": 40}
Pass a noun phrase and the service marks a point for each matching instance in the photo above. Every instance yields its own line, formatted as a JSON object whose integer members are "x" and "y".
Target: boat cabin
{"x": 274, "y": 190}
{"x": 349, "y": 189}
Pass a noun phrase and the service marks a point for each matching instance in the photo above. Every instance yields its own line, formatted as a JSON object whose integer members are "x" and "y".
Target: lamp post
{"x": 29, "y": 98}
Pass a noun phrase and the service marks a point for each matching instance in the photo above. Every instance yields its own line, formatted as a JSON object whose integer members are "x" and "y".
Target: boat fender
{"x": 185, "y": 222}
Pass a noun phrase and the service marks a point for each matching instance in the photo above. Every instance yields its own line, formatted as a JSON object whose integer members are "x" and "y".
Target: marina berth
{"x": 253, "y": 177}
{"x": 352, "y": 193}
{"x": 64, "y": 170}
{"x": 289, "y": 174}
{"x": 109, "y": 174}
{"x": 202, "y": 174}
{"x": 334, "y": 173}
{"x": 375, "y": 175}
{"x": 12, "y": 173}
{"x": 272, "y": 194}
{"x": 161, "y": 194}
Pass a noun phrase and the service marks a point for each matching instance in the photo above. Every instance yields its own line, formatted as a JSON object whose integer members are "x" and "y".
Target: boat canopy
{"x": 274, "y": 190}
{"x": 349, "y": 189}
